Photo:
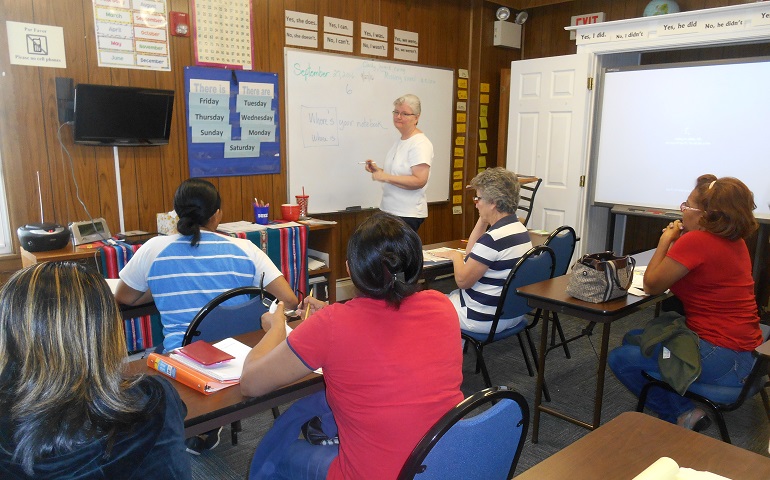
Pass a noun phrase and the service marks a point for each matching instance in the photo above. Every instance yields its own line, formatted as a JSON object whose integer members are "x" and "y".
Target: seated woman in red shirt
{"x": 704, "y": 260}
{"x": 391, "y": 359}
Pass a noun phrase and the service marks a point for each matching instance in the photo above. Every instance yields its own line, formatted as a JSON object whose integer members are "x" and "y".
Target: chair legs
{"x": 235, "y": 427}
{"x": 711, "y": 406}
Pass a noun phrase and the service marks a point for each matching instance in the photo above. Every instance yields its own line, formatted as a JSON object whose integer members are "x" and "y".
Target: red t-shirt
{"x": 390, "y": 375}
{"x": 718, "y": 292}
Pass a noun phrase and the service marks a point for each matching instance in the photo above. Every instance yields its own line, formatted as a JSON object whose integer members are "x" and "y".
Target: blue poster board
{"x": 232, "y": 122}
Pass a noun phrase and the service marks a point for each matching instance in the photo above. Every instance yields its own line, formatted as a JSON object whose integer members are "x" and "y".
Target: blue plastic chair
{"x": 718, "y": 399}
{"x": 486, "y": 446}
{"x": 534, "y": 266}
{"x": 234, "y": 318}
{"x": 226, "y": 316}
{"x": 527, "y": 199}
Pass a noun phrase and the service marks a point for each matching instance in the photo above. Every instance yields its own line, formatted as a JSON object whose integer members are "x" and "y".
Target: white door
{"x": 547, "y": 135}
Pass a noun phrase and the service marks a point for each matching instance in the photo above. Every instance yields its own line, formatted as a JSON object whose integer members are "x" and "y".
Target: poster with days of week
{"x": 232, "y": 122}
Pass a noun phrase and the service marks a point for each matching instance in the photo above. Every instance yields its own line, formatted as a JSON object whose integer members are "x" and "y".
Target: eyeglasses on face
{"x": 396, "y": 113}
{"x": 684, "y": 207}
{"x": 477, "y": 198}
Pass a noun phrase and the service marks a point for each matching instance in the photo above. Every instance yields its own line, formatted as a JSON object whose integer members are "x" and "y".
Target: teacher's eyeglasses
{"x": 684, "y": 207}
{"x": 403, "y": 114}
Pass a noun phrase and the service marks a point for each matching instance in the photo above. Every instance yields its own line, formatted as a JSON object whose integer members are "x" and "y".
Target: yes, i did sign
{"x": 584, "y": 19}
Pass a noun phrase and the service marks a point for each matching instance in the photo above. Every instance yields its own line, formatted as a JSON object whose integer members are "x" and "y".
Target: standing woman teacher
{"x": 406, "y": 171}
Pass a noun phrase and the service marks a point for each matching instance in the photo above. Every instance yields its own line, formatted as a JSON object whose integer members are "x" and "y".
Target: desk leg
{"x": 600, "y": 375}
{"x": 540, "y": 374}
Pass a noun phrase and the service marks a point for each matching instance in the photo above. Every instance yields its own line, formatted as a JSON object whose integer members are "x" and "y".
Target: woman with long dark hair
{"x": 183, "y": 272}
{"x": 391, "y": 358}
{"x": 66, "y": 410}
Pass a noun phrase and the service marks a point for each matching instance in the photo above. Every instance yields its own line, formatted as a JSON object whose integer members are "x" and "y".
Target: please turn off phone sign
{"x": 584, "y": 19}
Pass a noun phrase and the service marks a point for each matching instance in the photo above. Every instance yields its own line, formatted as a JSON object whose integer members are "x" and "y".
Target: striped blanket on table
{"x": 287, "y": 248}
{"x": 140, "y": 331}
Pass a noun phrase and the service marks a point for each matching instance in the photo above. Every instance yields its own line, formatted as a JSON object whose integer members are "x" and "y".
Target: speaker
{"x": 65, "y": 99}
{"x": 42, "y": 237}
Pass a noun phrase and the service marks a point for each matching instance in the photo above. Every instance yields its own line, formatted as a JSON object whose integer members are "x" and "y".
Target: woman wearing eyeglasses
{"x": 496, "y": 243}
{"x": 405, "y": 174}
{"x": 704, "y": 261}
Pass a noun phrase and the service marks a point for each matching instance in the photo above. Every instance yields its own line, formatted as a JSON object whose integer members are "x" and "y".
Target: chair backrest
{"x": 534, "y": 266}
{"x": 487, "y": 445}
{"x": 527, "y": 199}
{"x": 562, "y": 241}
{"x": 217, "y": 320}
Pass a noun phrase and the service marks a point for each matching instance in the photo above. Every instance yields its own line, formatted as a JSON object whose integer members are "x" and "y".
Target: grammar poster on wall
{"x": 232, "y": 122}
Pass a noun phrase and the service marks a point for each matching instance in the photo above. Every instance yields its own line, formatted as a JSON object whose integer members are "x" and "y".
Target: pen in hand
{"x": 307, "y": 309}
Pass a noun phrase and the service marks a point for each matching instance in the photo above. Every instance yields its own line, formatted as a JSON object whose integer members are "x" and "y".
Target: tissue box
{"x": 167, "y": 223}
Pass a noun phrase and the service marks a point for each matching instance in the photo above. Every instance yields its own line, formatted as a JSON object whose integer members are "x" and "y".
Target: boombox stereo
{"x": 41, "y": 237}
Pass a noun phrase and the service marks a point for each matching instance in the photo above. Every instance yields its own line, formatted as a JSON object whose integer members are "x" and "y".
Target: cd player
{"x": 41, "y": 237}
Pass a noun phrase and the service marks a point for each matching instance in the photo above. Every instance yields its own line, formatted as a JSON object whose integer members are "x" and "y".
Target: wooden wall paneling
{"x": 17, "y": 90}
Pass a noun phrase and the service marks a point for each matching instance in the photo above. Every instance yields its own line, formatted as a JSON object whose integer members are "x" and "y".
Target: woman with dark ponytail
{"x": 391, "y": 358}
{"x": 183, "y": 272}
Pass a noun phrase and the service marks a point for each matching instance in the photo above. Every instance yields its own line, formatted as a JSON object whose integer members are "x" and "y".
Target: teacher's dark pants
{"x": 413, "y": 222}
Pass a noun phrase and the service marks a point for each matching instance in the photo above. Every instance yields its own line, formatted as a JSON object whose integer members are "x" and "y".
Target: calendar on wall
{"x": 222, "y": 33}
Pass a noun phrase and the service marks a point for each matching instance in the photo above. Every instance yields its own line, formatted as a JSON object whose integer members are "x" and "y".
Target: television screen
{"x": 123, "y": 116}
{"x": 662, "y": 126}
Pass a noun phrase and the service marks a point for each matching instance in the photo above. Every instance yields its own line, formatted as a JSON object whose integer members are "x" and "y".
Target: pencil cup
{"x": 302, "y": 202}
{"x": 260, "y": 214}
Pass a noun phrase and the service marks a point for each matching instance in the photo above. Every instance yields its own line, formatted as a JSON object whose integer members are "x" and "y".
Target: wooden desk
{"x": 433, "y": 270}
{"x": 207, "y": 412}
{"x": 633, "y": 441}
{"x": 551, "y": 295}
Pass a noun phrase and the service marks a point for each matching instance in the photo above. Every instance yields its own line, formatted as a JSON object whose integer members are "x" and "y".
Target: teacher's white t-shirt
{"x": 400, "y": 159}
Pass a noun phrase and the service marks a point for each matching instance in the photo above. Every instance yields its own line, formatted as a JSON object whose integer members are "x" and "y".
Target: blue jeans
{"x": 720, "y": 366}
{"x": 303, "y": 461}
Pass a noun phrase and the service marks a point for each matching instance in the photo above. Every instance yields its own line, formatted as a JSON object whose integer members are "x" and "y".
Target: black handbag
{"x": 599, "y": 277}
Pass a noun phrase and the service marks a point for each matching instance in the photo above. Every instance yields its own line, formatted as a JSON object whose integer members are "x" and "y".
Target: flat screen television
{"x": 122, "y": 116}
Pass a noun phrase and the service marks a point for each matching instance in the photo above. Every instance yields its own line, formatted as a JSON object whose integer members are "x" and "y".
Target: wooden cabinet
{"x": 86, "y": 256}
{"x": 324, "y": 238}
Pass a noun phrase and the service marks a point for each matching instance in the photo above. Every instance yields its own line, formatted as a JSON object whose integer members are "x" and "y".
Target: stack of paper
{"x": 239, "y": 227}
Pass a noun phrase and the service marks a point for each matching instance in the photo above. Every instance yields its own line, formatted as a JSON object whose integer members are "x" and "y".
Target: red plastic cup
{"x": 302, "y": 202}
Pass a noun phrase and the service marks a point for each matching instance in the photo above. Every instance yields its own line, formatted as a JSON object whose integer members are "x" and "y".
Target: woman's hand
{"x": 314, "y": 304}
{"x": 274, "y": 319}
{"x": 671, "y": 233}
{"x": 450, "y": 254}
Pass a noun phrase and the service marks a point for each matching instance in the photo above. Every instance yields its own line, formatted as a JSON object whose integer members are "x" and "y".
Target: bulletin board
{"x": 233, "y": 127}
{"x": 338, "y": 111}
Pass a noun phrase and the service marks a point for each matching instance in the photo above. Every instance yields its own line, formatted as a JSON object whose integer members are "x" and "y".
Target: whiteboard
{"x": 338, "y": 113}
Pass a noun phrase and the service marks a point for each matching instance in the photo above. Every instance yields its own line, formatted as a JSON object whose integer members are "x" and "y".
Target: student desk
{"x": 433, "y": 270}
{"x": 551, "y": 295}
{"x": 207, "y": 412}
{"x": 633, "y": 441}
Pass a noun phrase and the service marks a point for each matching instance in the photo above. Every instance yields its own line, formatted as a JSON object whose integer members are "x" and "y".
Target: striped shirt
{"x": 499, "y": 248}
{"x": 183, "y": 278}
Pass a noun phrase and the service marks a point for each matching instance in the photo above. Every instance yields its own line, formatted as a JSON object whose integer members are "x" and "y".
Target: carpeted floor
{"x": 571, "y": 384}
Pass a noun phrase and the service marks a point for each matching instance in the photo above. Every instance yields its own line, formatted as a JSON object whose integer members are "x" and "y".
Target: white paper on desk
{"x": 430, "y": 255}
{"x": 638, "y": 280}
{"x": 113, "y": 284}
{"x": 229, "y": 371}
{"x": 667, "y": 469}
